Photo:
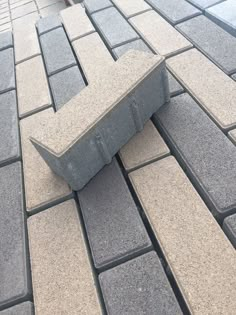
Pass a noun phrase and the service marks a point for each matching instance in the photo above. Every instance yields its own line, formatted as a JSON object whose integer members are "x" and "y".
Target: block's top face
{"x": 48, "y": 23}
{"x": 130, "y": 8}
{"x": 203, "y": 4}
{"x": 94, "y": 5}
{"x": 7, "y": 70}
{"x": 225, "y": 11}
{"x": 83, "y": 112}
{"x": 135, "y": 45}
{"x": 6, "y": 40}
{"x": 25, "y": 308}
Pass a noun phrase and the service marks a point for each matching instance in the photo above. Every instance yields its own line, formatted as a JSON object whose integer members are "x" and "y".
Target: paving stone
{"x": 53, "y": 9}
{"x": 65, "y": 85}
{"x": 19, "y": 3}
{"x": 174, "y": 85}
{"x": 57, "y": 52}
{"x": 175, "y": 11}
{"x": 159, "y": 34}
{"x": 4, "y": 14}
{"x": 5, "y": 20}
{"x": 113, "y": 224}
{"x": 42, "y": 186}
{"x": 45, "y": 3}
{"x": 25, "y": 308}
{"x": 7, "y": 71}
{"x": 203, "y": 4}
{"x": 5, "y": 27}
{"x": 207, "y": 153}
{"x": 62, "y": 278}
{"x": 76, "y": 22}
{"x": 94, "y": 5}
{"x": 113, "y": 27}
{"x": 92, "y": 64}
{"x": 229, "y": 227}
{"x": 234, "y": 77}
{"x": 24, "y": 22}
{"x": 23, "y": 10}
{"x": 48, "y": 23}
{"x": 212, "y": 40}
{"x": 89, "y": 124}
{"x": 215, "y": 91}
{"x": 145, "y": 147}
{"x": 137, "y": 286}
{"x": 191, "y": 239}
{"x": 32, "y": 86}
{"x": 224, "y": 14}
{"x": 9, "y": 135}
{"x": 6, "y": 40}
{"x": 130, "y": 8}
{"x": 232, "y": 135}
{"x": 14, "y": 276}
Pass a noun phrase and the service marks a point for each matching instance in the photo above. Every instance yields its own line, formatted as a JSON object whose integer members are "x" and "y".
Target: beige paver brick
{"x": 130, "y": 7}
{"x": 209, "y": 85}
{"x": 23, "y": 10}
{"x": 232, "y": 135}
{"x": 5, "y": 20}
{"x": 42, "y": 186}
{"x": 93, "y": 64}
{"x": 61, "y": 274}
{"x": 32, "y": 86}
{"x": 144, "y": 147}
{"x": 200, "y": 256}
{"x": 76, "y": 22}
{"x": 159, "y": 34}
{"x": 19, "y": 3}
{"x": 5, "y": 27}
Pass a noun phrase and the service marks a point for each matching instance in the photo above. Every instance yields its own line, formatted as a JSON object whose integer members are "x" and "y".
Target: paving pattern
{"x": 154, "y": 232}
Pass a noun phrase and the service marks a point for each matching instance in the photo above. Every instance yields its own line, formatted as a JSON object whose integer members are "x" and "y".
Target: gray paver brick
{"x": 57, "y": 52}
{"x": 203, "y": 4}
{"x": 48, "y": 23}
{"x": 175, "y": 87}
{"x": 212, "y": 40}
{"x": 229, "y": 226}
{"x": 65, "y": 85}
{"x": 94, "y": 5}
{"x": 175, "y": 11}
{"x": 53, "y": 9}
{"x": 7, "y": 71}
{"x": 23, "y": 10}
{"x": 209, "y": 156}
{"x": 113, "y": 26}
{"x": 9, "y": 134}
{"x": 14, "y": 277}
{"x": 139, "y": 286}
{"x": 6, "y": 40}
{"x": 232, "y": 135}
{"x": 114, "y": 227}
{"x": 25, "y": 308}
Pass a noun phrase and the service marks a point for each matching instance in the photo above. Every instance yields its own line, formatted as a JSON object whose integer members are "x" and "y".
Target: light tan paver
{"x": 32, "y": 86}
{"x": 159, "y": 34}
{"x": 61, "y": 274}
{"x": 232, "y": 135}
{"x": 209, "y": 85}
{"x": 144, "y": 147}
{"x": 76, "y": 22}
{"x": 19, "y": 3}
{"x": 5, "y": 20}
{"x": 93, "y": 64}
{"x": 23, "y": 10}
{"x": 130, "y": 7}
{"x": 5, "y": 27}
{"x": 42, "y": 186}
{"x": 200, "y": 256}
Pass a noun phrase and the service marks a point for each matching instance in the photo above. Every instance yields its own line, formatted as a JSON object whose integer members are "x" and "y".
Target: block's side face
{"x": 26, "y": 308}
{"x": 229, "y": 226}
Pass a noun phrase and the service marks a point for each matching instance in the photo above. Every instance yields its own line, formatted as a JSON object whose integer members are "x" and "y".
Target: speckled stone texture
{"x": 229, "y": 226}
{"x": 137, "y": 287}
{"x": 23, "y": 10}
{"x": 232, "y": 135}
{"x": 113, "y": 224}
{"x": 48, "y": 23}
{"x": 94, "y": 5}
{"x": 25, "y": 308}
{"x": 131, "y": 8}
{"x": 201, "y": 258}
{"x": 6, "y": 40}
{"x": 7, "y": 74}
{"x": 203, "y": 4}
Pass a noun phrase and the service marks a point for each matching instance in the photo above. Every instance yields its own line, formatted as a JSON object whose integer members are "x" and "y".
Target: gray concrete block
{"x": 57, "y": 52}
{"x": 208, "y": 155}
{"x": 9, "y": 133}
{"x": 48, "y": 23}
{"x": 14, "y": 276}
{"x": 212, "y": 40}
{"x": 229, "y": 227}
{"x": 65, "y": 85}
{"x": 203, "y": 4}
{"x": 113, "y": 27}
{"x": 7, "y": 70}
{"x": 26, "y": 308}
{"x": 113, "y": 224}
{"x": 85, "y": 134}
{"x": 138, "y": 286}
{"x": 224, "y": 14}
{"x": 175, "y": 11}
{"x": 6, "y": 40}
{"x": 94, "y": 5}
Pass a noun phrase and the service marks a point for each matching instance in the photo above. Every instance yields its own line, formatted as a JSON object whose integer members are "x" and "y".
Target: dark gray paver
{"x": 140, "y": 287}
{"x": 212, "y": 40}
{"x": 48, "y": 23}
{"x": 203, "y": 4}
{"x": 14, "y": 277}
{"x": 114, "y": 227}
{"x": 234, "y": 77}
{"x": 229, "y": 226}
{"x": 25, "y": 308}
{"x": 224, "y": 14}
{"x": 175, "y": 87}
{"x": 9, "y": 133}
{"x": 95, "y": 5}
{"x": 207, "y": 153}
{"x": 65, "y": 85}
{"x": 7, "y": 71}
{"x": 6, "y": 40}
{"x": 113, "y": 27}
{"x": 175, "y": 11}
{"x": 56, "y": 51}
